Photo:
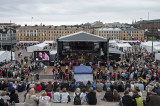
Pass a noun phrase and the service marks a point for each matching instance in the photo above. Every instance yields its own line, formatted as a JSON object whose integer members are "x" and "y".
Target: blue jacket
{"x": 10, "y": 87}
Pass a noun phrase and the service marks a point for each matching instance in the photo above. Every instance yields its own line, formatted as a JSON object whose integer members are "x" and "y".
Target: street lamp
{"x": 11, "y": 40}
{"x": 152, "y": 41}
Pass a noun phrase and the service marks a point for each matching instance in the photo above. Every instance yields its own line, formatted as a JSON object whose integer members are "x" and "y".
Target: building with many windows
{"x": 109, "y": 33}
{"x": 41, "y": 33}
{"x": 121, "y": 33}
{"x": 151, "y": 27}
{"x": 7, "y": 35}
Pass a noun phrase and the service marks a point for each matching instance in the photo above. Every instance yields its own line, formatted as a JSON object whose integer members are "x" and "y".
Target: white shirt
{"x": 44, "y": 100}
{"x": 64, "y": 98}
{"x": 56, "y": 97}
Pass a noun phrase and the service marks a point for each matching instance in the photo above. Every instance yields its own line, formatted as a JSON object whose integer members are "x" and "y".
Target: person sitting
{"x": 107, "y": 85}
{"x": 32, "y": 85}
{"x": 20, "y": 87}
{"x": 38, "y": 87}
{"x": 43, "y": 86}
{"x": 137, "y": 99}
{"x": 10, "y": 86}
{"x": 141, "y": 86}
{"x": 44, "y": 99}
{"x": 138, "y": 90}
{"x": 49, "y": 89}
{"x": 5, "y": 97}
{"x": 156, "y": 90}
{"x": 31, "y": 98}
{"x": 108, "y": 95}
{"x": 126, "y": 99}
{"x": 77, "y": 97}
{"x": 84, "y": 95}
{"x": 64, "y": 96}
{"x": 127, "y": 85}
{"x": 116, "y": 95}
{"x": 56, "y": 96}
{"x": 99, "y": 87}
{"x": 81, "y": 85}
{"x": 72, "y": 87}
{"x": 114, "y": 86}
{"x": 121, "y": 87}
{"x": 91, "y": 97}
{"x": 94, "y": 85}
{"x": 13, "y": 97}
{"x": 88, "y": 85}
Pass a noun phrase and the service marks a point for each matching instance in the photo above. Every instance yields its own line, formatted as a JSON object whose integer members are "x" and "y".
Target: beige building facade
{"x": 41, "y": 33}
{"x": 120, "y": 33}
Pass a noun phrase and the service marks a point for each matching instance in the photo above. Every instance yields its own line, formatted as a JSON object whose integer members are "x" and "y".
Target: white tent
{"x": 53, "y": 52}
{"x": 33, "y": 48}
{"x": 157, "y": 56}
{"x": 49, "y": 42}
{"x": 148, "y": 46}
{"x": 123, "y": 46}
{"x": 6, "y": 56}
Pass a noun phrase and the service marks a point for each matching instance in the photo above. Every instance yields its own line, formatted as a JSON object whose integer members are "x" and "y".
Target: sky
{"x": 69, "y": 12}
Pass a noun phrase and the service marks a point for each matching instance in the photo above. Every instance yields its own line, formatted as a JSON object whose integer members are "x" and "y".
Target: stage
{"x": 82, "y": 47}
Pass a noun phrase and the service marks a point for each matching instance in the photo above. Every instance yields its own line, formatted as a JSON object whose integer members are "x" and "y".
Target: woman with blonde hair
{"x": 78, "y": 94}
{"x": 31, "y": 98}
{"x": 5, "y": 97}
{"x": 44, "y": 99}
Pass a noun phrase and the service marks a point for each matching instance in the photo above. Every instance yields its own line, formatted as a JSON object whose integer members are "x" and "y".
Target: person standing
{"x": 45, "y": 68}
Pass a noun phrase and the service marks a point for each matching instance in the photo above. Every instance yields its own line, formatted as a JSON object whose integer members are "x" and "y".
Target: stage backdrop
{"x": 83, "y": 73}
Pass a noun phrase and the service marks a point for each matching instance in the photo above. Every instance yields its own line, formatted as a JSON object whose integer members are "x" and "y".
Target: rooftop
{"x": 108, "y": 29}
{"x": 148, "y": 21}
{"x": 82, "y": 37}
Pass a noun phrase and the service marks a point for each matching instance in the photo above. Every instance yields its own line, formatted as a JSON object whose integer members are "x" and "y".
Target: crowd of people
{"x": 139, "y": 73}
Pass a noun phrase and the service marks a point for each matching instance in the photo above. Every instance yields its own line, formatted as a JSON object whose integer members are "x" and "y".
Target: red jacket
{"x": 66, "y": 77}
{"x": 1, "y": 74}
{"x": 38, "y": 88}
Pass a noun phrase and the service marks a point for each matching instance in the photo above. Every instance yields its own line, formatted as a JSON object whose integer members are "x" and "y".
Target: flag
{"x": 130, "y": 34}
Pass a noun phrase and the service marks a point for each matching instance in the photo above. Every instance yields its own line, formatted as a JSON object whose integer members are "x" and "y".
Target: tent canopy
{"x": 83, "y": 73}
{"x": 123, "y": 45}
{"x": 21, "y": 42}
{"x": 82, "y": 37}
{"x": 114, "y": 50}
{"x": 53, "y": 52}
{"x": 33, "y": 48}
{"x": 148, "y": 46}
{"x": 49, "y": 42}
{"x": 6, "y": 56}
{"x": 82, "y": 69}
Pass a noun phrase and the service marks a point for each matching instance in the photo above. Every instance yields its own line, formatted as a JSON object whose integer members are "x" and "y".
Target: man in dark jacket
{"x": 13, "y": 97}
{"x": 126, "y": 99}
{"x": 108, "y": 95}
{"x": 91, "y": 97}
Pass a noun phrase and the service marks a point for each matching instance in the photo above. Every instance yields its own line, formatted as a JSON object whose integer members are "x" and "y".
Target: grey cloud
{"x": 81, "y": 11}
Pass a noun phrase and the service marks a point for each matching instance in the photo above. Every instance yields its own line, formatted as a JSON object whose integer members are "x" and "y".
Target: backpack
{"x": 77, "y": 99}
{"x": 2, "y": 103}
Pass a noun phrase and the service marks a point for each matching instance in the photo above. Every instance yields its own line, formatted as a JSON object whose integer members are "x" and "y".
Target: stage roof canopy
{"x": 82, "y": 37}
